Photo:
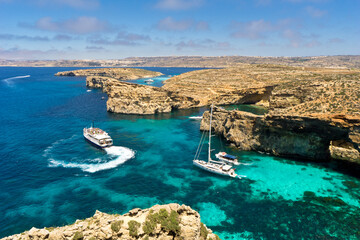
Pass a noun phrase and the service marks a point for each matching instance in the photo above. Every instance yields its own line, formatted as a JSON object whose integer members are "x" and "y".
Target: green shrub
{"x": 162, "y": 215}
{"x": 168, "y": 222}
{"x": 78, "y": 236}
{"x": 133, "y": 228}
{"x": 171, "y": 223}
{"x": 115, "y": 226}
{"x": 203, "y": 231}
{"x": 149, "y": 226}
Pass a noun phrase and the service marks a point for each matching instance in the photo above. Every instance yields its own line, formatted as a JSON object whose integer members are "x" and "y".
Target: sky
{"x": 116, "y": 29}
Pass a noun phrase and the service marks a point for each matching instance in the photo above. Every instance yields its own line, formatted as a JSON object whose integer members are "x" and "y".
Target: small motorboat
{"x": 227, "y": 158}
{"x": 148, "y": 81}
{"x": 195, "y": 117}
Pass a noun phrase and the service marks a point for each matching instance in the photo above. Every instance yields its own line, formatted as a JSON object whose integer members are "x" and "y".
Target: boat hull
{"x": 202, "y": 164}
{"x": 95, "y": 144}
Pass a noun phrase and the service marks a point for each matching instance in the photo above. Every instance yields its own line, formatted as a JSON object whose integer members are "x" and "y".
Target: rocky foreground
{"x": 166, "y": 222}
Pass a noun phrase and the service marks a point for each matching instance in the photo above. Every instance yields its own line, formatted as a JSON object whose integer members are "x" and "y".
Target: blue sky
{"x": 113, "y": 29}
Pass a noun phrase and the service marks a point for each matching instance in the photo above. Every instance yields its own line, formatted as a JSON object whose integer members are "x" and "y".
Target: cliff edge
{"x": 309, "y": 137}
{"x": 166, "y": 222}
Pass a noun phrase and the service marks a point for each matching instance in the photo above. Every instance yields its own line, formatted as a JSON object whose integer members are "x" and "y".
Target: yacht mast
{"x": 209, "y": 155}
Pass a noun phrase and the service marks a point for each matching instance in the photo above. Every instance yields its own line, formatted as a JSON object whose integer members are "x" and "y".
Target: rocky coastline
{"x": 171, "y": 221}
{"x": 115, "y": 73}
{"x": 306, "y": 137}
{"x": 314, "y": 113}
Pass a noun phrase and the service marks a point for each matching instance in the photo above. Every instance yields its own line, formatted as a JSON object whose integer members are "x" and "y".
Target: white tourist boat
{"x": 213, "y": 166}
{"x": 97, "y": 137}
{"x": 223, "y": 156}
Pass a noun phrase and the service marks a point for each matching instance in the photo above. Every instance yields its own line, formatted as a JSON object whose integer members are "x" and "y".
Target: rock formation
{"x": 166, "y": 222}
{"x": 116, "y": 73}
{"x": 283, "y": 89}
{"x": 315, "y": 137}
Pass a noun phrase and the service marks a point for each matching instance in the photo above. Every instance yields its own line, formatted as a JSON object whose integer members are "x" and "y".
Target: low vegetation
{"x": 78, "y": 236}
{"x": 133, "y": 228}
{"x": 168, "y": 222}
{"x": 116, "y": 226}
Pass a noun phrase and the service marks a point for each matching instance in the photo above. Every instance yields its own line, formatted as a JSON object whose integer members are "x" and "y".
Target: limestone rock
{"x": 296, "y": 136}
{"x": 102, "y": 226}
{"x": 116, "y": 73}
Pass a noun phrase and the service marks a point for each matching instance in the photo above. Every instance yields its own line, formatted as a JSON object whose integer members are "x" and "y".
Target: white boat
{"x": 195, "y": 117}
{"x": 149, "y": 81}
{"x": 89, "y": 90}
{"x": 213, "y": 166}
{"x": 97, "y": 137}
{"x": 216, "y": 167}
{"x": 223, "y": 156}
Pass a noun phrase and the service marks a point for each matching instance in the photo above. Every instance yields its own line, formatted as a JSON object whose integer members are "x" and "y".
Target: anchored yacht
{"x": 213, "y": 166}
{"x": 99, "y": 138}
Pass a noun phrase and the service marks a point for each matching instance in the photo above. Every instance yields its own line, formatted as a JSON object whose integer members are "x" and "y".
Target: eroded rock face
{"x": 106, "y": 226}
{"x": 305, "y": 137}
{"x": 116, "y": 73}
{"x": 137, "y": 99}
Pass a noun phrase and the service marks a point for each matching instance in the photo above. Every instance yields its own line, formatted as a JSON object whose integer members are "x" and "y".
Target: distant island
{"x": 340, "y": 61}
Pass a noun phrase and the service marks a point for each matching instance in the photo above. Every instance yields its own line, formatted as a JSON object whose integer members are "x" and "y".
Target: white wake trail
{"x": 121, "y": 154}
{"x": 10, "y": 83}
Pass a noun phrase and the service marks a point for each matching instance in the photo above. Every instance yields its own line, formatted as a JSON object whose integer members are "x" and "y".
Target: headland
{"x": 170, "y": 221}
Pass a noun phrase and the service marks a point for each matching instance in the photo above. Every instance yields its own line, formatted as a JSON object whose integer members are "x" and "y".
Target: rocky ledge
{"x": 317, "y": 137}
{"x": 116, "y": 73}
{"x": 166, "y": 222}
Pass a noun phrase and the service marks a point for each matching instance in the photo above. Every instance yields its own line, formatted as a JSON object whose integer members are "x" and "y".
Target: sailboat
{"x": 213, "y": 166}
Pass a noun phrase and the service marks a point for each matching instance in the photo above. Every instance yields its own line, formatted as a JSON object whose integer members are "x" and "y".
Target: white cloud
{"x": 122, "y": 38}
{"x": 178, "y": 4}
{"x": 252, "y": 29}
{"x": 169, "y": 24}
{"x": 80, "y": 25}
{"x": 316, "y": 13}
{"x": 17, "y": 53}
{"x": 203, "y": 44}
{"x": 80, "y": 4}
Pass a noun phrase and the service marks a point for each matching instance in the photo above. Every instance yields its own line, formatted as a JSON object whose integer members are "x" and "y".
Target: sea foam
{"x": 116, "y": 155}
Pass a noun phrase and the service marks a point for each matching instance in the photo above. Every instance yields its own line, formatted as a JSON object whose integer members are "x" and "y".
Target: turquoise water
{"x": 49, "y": 176}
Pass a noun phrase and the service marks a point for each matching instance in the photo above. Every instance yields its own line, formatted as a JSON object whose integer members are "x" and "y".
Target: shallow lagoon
{"x": 50, "y": 176}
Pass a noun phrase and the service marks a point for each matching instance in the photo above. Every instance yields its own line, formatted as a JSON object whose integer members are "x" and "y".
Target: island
{"x": 167, "y": 222}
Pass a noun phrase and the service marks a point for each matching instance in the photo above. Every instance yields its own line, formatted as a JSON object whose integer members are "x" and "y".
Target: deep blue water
{"x": 49, "y": 176}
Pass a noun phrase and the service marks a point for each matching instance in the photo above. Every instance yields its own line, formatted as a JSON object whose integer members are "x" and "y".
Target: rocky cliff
{"x": 116, "y": 73}
{"x": 165, "y": 222}
{"x": 310, "y": 137}
{"x": 283, "y": 89}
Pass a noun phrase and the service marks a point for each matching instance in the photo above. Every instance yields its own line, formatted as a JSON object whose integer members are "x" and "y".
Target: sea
{"x": 50, "y": 176}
